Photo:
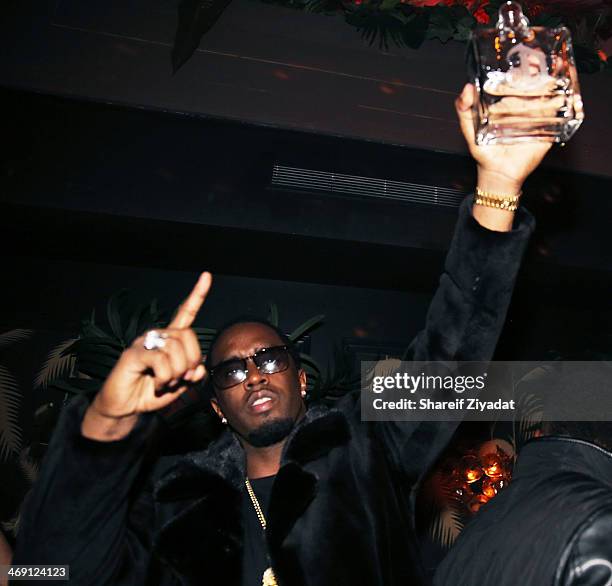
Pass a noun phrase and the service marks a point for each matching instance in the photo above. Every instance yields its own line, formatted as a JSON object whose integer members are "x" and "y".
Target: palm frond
{"x": 28, "y": 466}
{"x": 306, "y": 327}
{"x": 536, "y": 374}
{"x": 327, "y": 6}
{"x": 446, "y": 526}
{"x": 12, "y": 336}
{"x": 343, "y": 376}
{"x": 386, "y": 367}
{"x": 57, "y": 364}
{"x": 384, "y": 27}
{"x": 530, "y": 413}
{"x": 11, "y": 526}
{"x": 10, "y": 398}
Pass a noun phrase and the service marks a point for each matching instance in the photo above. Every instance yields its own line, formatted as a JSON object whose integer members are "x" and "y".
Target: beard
{"x": 270, "y": 433}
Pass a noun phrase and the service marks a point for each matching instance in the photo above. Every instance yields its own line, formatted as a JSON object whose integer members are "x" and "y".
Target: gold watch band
{"x": 499, "y": 201}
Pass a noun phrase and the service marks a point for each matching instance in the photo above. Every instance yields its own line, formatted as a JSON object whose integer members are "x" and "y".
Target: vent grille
{"x": 310, "y": 180}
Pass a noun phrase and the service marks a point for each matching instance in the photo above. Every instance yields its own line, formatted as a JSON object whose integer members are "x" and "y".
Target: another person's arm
{"x": 6, "y": 555}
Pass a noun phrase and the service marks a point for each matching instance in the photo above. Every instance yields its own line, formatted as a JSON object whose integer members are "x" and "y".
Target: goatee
{"x": 270, "y": 432}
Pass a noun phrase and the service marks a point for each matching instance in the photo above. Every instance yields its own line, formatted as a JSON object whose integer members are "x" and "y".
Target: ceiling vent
{"x": 324, "y": 181}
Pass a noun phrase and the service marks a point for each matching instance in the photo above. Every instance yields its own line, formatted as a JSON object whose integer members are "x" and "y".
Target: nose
{"x": 254, "y": 377}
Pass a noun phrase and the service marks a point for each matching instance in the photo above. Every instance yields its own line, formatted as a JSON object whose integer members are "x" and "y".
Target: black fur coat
{"x": 341, "y": 505}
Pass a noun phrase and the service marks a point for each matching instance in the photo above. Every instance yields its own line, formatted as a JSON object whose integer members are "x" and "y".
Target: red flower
{"x": 422, "y": 3}
{"x": 476, "y": 7}
{"x": 481, "y": 16}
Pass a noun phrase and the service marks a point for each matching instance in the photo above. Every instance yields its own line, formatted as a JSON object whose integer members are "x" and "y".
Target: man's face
{"x": 263, "y": 405}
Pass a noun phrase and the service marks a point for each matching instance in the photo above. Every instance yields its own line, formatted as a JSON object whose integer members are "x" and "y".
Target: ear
{"x": 215, "y": 405}
{"x": 303, "y": 380}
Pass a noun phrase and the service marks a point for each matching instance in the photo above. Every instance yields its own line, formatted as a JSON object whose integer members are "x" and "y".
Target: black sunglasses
{"x": 235, "y": 371}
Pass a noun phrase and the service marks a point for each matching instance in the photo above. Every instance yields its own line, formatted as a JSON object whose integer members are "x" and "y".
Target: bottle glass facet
{"x": 526, "y": 81}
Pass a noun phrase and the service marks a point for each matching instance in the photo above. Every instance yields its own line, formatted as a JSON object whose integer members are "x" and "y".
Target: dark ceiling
{"x": 263, "y": 64}
{"x": 105, "y": 143}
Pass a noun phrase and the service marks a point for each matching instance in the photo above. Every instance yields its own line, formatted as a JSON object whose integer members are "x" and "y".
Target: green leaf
{"x": 151, "y": 318}
{"x": 93, "y": 370}
{"x": 28, "y": 465}
{"x": 464, "y": 28}
{"x": 446, "y": 526}
{"x": 415, "y": 30}
{"x": 307, "y": 326}
{"x": 379, "y": 26}
{"x": 13, "y": 336}
{"x": 457, "y": 12}
{"x": 441, "y": 24}
{"x": 10, "y": 399}
{"x": 89, "y": 328}
{"x": 60, "y": 361}
{"x": 327, "y": 6}
{"x": 132, "y": 329}
{"x": 309, "y": 362}
{"x": 97, "y": 359}
{"x": 389, "y": 4}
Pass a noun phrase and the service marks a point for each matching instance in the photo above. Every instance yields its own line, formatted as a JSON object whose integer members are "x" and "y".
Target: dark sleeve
{"x": 469, "y": 308}
{"x": 463, "y": 323}
{"x": 587, "y": 560}
{"x": 86, "y": 509}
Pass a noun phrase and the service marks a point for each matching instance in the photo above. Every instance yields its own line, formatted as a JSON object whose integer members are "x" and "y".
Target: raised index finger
{"x": 188, "y": 310}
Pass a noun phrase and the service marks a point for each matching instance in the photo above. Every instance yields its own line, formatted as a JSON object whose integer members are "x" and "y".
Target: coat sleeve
{"x": 89, "y": 508}
{"x": 587, "y": 559}
{"x": 468, "y": 310}
{"x": 463, "y": 323}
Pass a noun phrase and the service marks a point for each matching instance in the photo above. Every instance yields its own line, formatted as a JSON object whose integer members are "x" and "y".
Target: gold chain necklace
{"x": 268, "y": 578}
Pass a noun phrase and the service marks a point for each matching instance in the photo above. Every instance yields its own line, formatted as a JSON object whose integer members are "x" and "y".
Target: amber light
{"x": 492, "y": 466}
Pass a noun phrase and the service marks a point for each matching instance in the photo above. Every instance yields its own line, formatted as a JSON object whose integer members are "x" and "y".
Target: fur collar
{"x": 202, "y": 494}
{"x": 320, "y": 430}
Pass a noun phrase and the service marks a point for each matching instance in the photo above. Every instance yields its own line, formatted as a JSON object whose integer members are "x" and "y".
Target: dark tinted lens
{"x": 229, "y": 373}
{"x": 272, "y": 360}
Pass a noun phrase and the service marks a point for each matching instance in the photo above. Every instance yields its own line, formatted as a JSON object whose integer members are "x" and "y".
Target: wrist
{"x": 98, "y": 408}
{"x": 498, "y": 183}
{"x": 101, "y": 426}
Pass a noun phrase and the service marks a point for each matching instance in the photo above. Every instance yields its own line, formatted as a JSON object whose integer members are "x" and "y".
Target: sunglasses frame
{"x": 244, "y": 361}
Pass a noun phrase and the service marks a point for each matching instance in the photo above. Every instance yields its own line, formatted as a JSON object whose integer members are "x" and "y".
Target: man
{"x": 553, "y": 525}
{"x": 286, "y": 495}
